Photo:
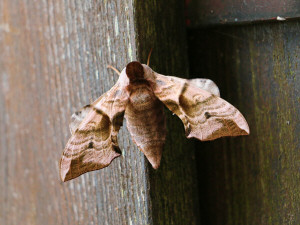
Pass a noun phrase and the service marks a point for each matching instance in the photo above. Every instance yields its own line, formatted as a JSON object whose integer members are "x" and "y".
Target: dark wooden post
{"x": 52, "y": 62}
{"x": 254, "y": 179}
{"x": 173, "y": 187}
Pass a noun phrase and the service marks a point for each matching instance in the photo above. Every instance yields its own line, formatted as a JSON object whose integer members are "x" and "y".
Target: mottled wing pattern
{"x": 93, "y": 144}
{"x": 204, "y": 84}
{"x": 204, "y": 115}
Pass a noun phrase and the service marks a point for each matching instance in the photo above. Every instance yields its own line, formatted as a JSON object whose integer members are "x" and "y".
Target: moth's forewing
{"x": 204, "y": 115}
{"x": 93, "y": 144}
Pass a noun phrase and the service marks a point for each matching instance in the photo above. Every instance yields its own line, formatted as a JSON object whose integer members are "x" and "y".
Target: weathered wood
{"x": 203, "y": 13}
{"x": 173, "y": 187}
{"x": 253, "y": 179}
{"x": 53, "y": 61}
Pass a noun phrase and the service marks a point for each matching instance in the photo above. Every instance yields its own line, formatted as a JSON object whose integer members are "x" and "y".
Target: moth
{"x": 140, "y": 95}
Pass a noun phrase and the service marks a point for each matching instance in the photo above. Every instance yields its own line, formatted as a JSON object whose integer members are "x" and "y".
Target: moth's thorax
{"x": 141, "y": 96}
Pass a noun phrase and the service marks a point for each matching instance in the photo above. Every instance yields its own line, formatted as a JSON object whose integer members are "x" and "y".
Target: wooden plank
{"x": 53, "y": 61}
{"x": 173, "y": 187}
{"x": 253, "y": 179}
{"x": 213, "y": 12}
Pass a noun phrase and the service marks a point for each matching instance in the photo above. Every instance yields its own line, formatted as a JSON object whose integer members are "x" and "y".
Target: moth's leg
{"x": 113, "y": 68}
{"x": 207, "y": 85}
{"x": 148, "y": 60}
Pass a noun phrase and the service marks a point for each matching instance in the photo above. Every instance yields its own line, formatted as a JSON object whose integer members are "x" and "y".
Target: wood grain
{"x": 254, "y": 179}
{"x": 173, "y": 187}
{"x": 53, "y": 61}
{"x": 216, "y": 12}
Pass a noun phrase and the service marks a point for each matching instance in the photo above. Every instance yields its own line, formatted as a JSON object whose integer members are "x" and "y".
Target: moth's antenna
{"x": 148, "y": 61}
{"x": 113, "y": 68}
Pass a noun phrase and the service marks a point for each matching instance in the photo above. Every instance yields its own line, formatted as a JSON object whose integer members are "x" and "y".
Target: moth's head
{"x": 134, "y": 71}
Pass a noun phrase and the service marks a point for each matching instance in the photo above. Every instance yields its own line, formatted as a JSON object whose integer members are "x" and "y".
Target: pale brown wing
{"x": 93, "y": 144}
{"x": 204, "y": 115}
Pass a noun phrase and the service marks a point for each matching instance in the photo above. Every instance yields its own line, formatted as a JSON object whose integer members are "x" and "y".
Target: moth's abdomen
{"x": 146, "y": 123}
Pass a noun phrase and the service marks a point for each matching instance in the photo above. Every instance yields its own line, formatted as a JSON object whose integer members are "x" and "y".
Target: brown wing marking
{"x": 93, "y": 144}
{"x": 204, "y": 115}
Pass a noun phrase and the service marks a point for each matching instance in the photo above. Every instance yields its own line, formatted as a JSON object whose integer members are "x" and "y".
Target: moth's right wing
{"x": 205, "y": 115}
{"x": 204, "y": 84}
{"x": 93, "y": 144}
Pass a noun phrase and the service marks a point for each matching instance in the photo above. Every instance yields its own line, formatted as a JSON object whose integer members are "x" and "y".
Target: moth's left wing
{"x": 93, "y": 144}
{"x": 205, "y": 116}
